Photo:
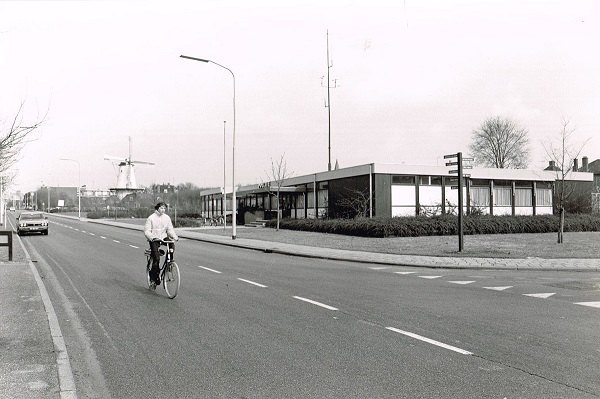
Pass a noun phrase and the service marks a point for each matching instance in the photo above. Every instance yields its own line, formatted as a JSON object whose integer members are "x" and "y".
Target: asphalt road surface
{"x": 248, "y": 324}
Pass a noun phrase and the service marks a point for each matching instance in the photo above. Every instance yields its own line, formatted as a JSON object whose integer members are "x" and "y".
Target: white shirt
{"x": 159, "y": 226}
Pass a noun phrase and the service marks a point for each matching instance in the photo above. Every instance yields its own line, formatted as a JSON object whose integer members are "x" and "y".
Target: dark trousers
{"x": 154, "y": 248}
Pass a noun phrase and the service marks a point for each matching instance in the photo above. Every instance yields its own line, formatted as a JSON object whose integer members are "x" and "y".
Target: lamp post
{"x": 234, "y": 201}
{"x": 78, "y": 183}
{"x": 224, "y": 182}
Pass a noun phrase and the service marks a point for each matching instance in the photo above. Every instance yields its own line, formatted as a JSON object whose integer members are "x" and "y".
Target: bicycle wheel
{"x": 171, "y": 279}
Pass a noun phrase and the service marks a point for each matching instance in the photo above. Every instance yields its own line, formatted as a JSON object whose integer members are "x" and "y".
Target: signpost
{"x": 459, "y": 162}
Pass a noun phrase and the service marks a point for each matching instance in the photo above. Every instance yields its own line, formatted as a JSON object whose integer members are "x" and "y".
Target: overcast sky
{"x": 414, "y": 79}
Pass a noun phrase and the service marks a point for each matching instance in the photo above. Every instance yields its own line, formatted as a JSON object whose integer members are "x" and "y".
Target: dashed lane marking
{"x": 379, "y": 267}
{"x": 133, "y": 246}
{"x": 592, "y": 304}
{"x": 498, "y": 288}
{"x": 209, "y": 269}
{"x": 462, "y": 282}
{"x": 542, "y": 295}
{"x": 117, "y": 241}
{"x": 316, "y": 303}
{"x": 104, "y": 238}
{"x": 429, "y": 277}
{"x": 404, "y": 272}
{"x": 430, "y": 341}
{"x": 252, "y": 282}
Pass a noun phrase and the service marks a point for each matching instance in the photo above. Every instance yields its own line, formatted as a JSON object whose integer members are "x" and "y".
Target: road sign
{"x": 451, "y": 163}
{"x": 450, "y": 156}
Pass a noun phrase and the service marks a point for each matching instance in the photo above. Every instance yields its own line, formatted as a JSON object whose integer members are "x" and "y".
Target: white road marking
{"x": 83, "y": 231}
{"x": 210, "y": 270}
{"x": 316, "y": 303}
{"x": 118, "y": 242}
{"x": 252, "y": 282}
{"x": 104, "y": 238}
{"x": 498, "y": 288}
{"x": 92, "y": 234}
{"x": 430, "y": 341}
{"x": 429, "y": 277}
{"x": 133, "y": 246}
{"x": 461, "y": 282}
{"x": 404, "y": 272}
{"x": 592, "y": 304}
{"x": 379, "y": 268}
{"x": 541, "y": 295}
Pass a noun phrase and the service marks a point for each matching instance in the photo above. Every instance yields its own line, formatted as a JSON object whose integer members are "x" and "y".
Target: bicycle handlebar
{"x": 168, "y": 241}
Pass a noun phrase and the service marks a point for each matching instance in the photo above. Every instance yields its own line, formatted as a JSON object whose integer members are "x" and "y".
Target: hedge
{"x": 441, "y": 225}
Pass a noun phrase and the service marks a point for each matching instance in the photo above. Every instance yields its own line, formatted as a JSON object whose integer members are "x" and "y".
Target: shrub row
{"x": 441, "y": 225}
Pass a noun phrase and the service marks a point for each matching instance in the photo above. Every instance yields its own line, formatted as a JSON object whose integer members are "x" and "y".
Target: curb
{"x": 376, "y": 258}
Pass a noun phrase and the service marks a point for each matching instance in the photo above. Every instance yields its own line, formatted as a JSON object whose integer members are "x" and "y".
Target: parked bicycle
{"x": 168, "y": 272}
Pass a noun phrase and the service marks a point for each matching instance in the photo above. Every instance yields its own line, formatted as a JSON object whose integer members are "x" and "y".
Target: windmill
{"x": 126, "y": 183}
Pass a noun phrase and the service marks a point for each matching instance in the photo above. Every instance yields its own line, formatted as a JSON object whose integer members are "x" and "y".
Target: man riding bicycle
{"x": 159, "y": 227}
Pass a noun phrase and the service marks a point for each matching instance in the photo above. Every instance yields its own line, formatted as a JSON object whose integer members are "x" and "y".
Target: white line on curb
{"x": 430, "y": 341}
{"x": 316, "y": 303}
{"x": 252, "y": 282}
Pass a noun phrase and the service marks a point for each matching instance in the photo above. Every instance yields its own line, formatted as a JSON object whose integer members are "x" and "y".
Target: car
{"x": 32, "y": 222}
{"x": 12, "y": 209}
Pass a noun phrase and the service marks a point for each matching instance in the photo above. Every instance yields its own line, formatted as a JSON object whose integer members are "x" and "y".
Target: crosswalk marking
{"x": 461, "y": 282}
{"x": 592, "y": 304}
{"x": 498, "y": 288}
{"x": 542, "y": 295}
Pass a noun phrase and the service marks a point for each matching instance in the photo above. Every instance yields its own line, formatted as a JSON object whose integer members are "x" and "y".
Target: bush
{"x": 441, "y": 225}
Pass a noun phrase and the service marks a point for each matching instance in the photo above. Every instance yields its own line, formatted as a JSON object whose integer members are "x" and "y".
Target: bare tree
{"x": 276, "y": 176}
{"x": 357, "y": 202}
{"x": 500, "y": 143}
{"x": 13, "y": 140}
{"x": 563, "y": 154}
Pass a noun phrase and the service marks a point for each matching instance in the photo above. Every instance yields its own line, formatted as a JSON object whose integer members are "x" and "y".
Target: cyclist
{"x": 159, "y": 227}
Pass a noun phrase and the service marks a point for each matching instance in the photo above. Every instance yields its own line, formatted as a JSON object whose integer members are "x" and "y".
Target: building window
{"x": 543, "y": 196}
{"x": 480, "y": 196}
{"x": 502, "y": 196}
{"x": 523, "y": 197}
{"x": 436, "y": 180}
{"x": 403, "y": 180}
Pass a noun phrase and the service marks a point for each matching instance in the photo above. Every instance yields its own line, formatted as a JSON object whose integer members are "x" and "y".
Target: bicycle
{"x": 168, "y": 272}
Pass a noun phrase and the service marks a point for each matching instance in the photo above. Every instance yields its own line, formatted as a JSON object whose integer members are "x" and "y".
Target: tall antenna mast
{"x": 328, "y": 104}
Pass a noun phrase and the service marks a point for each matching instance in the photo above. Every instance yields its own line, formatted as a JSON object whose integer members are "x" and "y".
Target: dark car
{"x": 32, "y": 222}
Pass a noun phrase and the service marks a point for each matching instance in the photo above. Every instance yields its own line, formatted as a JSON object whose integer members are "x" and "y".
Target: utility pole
{"x": 328, "y": 103}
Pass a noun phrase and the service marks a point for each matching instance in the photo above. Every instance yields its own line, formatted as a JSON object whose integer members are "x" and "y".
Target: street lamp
{"x": 224, "y": 182}
{"x": 234, "y": 201}
{"x": 78, "y": 183}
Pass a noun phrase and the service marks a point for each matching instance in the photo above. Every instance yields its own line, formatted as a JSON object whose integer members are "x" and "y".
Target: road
{"x": 247, "y": 324}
